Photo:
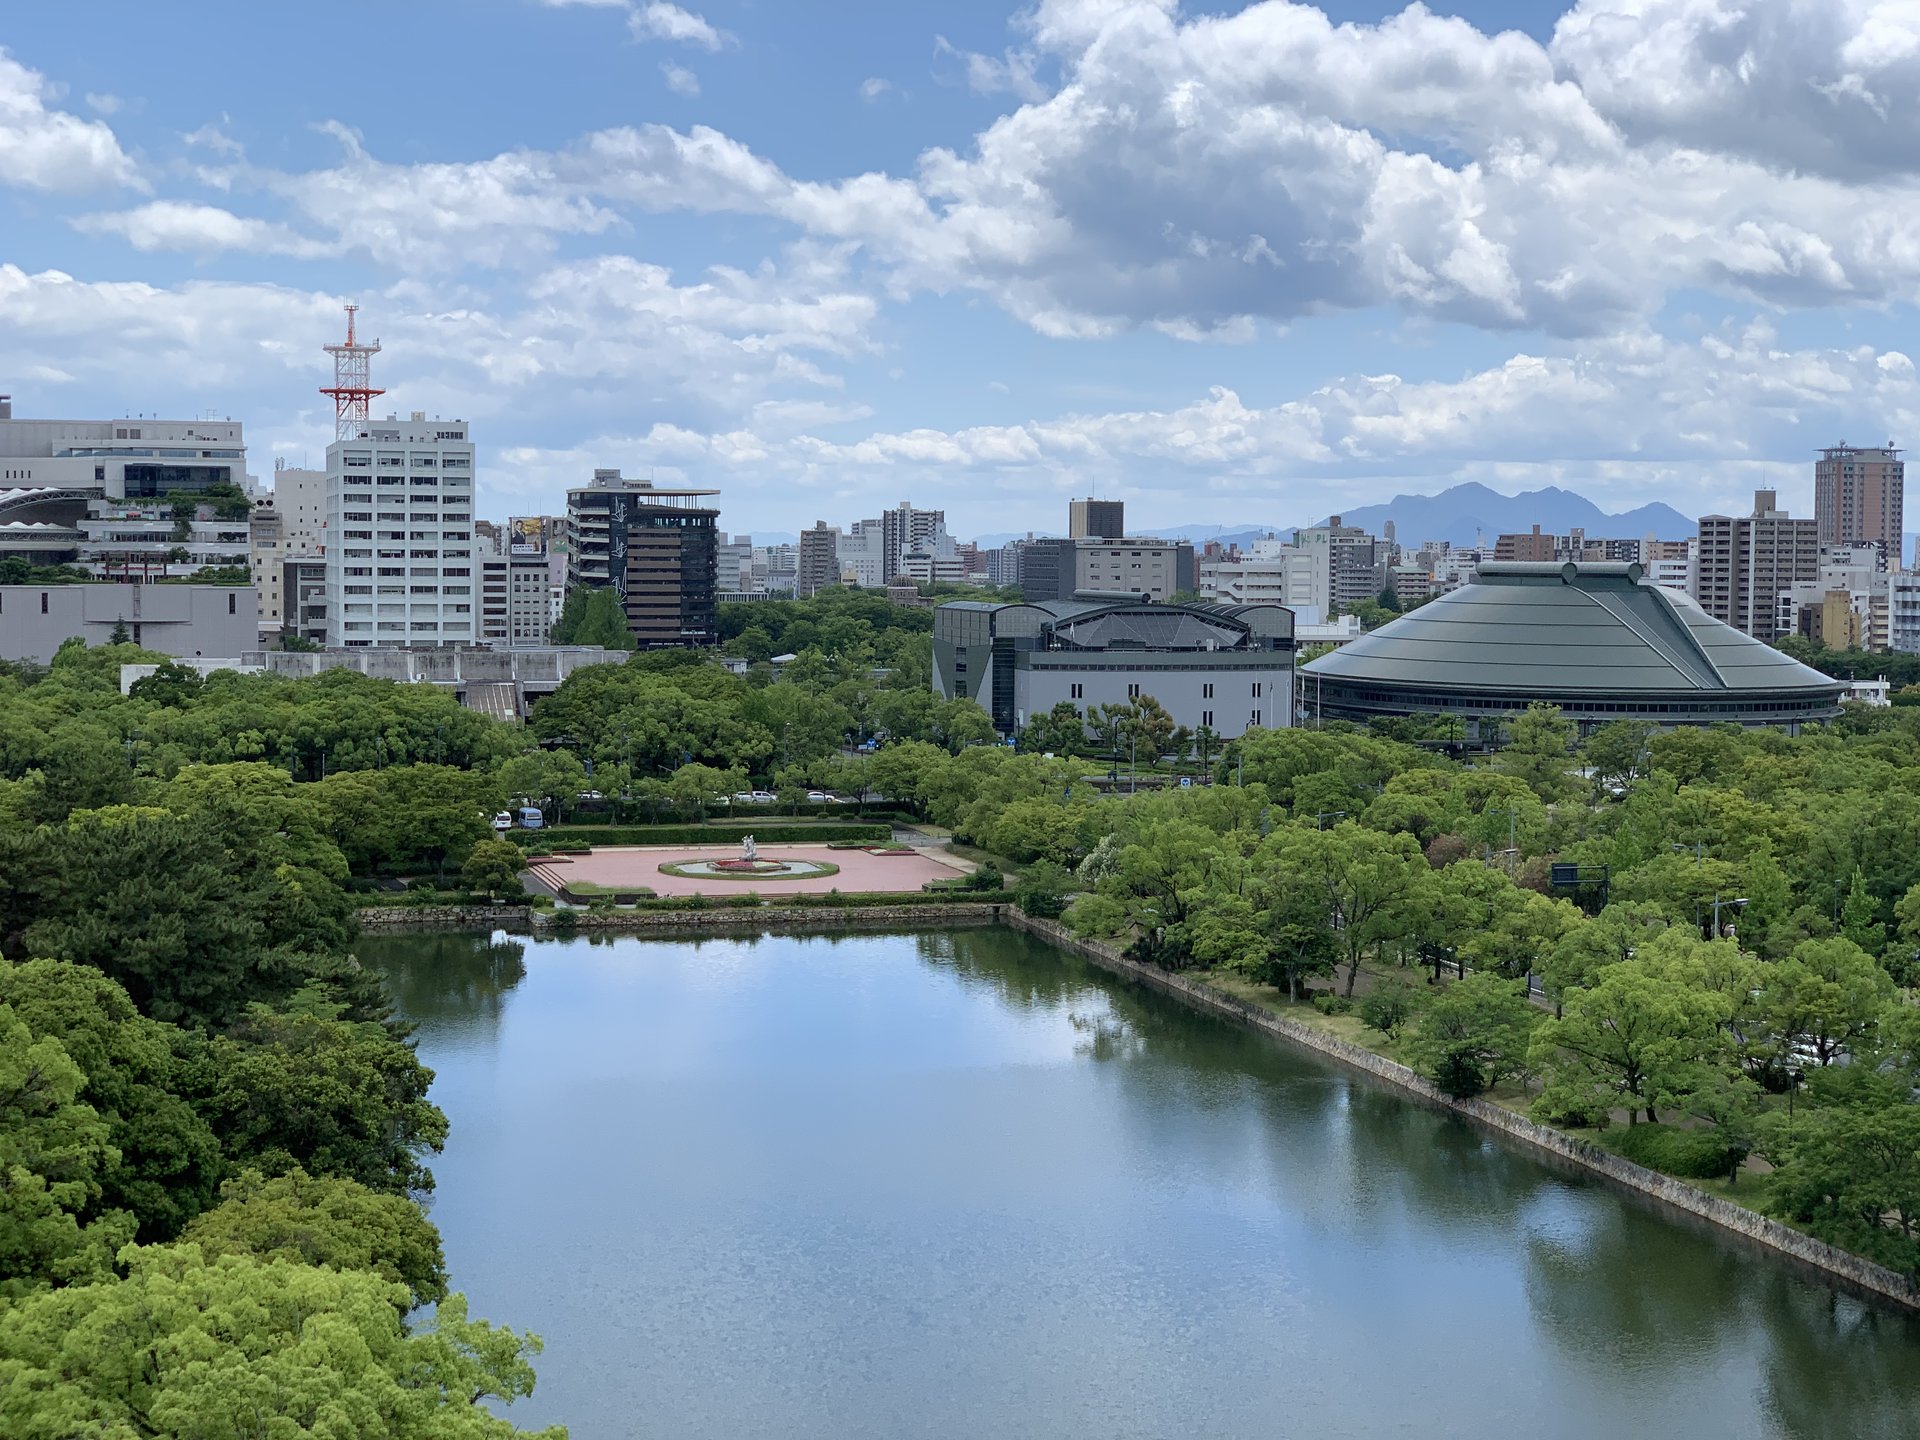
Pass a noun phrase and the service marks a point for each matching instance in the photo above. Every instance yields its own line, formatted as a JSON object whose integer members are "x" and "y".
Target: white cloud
{"x": 1829, "y": 86}
{"x": 873, "y": 88}
{"x": 104, "y": 104}
{"x": 1625, "y": 421}
{"x": 658, "y": 20}
{"x": 202, "y": 229}
{"x": 680, "y": 80}
{"x": 48, "y": 149}
{"x": 1010, "y": 73}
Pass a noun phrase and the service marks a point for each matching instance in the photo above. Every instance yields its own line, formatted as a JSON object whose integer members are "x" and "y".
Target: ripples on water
{"x": 959, "y": 1184}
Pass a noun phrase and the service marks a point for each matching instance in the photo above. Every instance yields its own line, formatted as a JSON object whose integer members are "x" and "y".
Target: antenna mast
{"x": 351, "y": 389}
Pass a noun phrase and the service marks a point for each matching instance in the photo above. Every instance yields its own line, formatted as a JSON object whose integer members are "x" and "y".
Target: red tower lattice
{"x": 351, "y": 388}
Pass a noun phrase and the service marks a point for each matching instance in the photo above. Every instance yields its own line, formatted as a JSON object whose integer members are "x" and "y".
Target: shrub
{"x": 1691, "y": 1154}
{"x": 1331, "y": 1004}
{"x": 1390, "y": 1004}
{"x": 987, "y": 877}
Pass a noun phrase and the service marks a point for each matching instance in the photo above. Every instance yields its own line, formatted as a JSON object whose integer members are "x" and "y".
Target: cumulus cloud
{"x": 680, "y": 80}
{"x": 661, "y": 21}
{"x": 42, "y": 148}
{"x": 202, "y": 229}
{"x": 587, "y": 338}
{"x": 1632, "y": 420}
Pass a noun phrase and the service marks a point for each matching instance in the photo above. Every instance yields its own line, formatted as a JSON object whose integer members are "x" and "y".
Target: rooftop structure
{"x": 1594, "y": 639}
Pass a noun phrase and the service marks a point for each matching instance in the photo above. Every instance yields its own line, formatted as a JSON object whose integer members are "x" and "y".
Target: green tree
{"x": 164, "y": 1161}
{"x": 192, "y": 930}
{"x": 1635, "y": 1038}
{"x": 325, "y": 1220}
{"x": 1825, "y": 998}
{"x": 324, "y": 1094}
{"x": 1539, "y": 743}
{"x": 1852, "y": 1177}
{"x": 186, "y": 1347}
{"x": 591, "y": 615}
{"x": 1366, "y": 883}
{"x": 53, "y": 1148}
{"x": 1473, "y": 1034}
{"x": 494, "y": 866}
{"x": 1860, "y": 918}
{"x": 1059, "y": 730}
{"x": 1617, "y": 751}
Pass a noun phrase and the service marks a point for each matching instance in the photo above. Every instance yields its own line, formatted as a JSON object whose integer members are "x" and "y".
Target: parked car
{"x": 503, "y": 820}
{"x": 764, "y": 797}
{"x": 531, "y": 818}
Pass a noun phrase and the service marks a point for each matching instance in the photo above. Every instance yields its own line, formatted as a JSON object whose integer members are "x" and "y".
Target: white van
{"x": 531, "y": 818}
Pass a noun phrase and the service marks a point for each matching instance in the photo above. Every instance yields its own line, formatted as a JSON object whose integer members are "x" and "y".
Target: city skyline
{"x": 821, "y": 278}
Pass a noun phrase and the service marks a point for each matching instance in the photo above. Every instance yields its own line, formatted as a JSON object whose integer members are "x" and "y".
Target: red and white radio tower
{"x": 351, "y": 389}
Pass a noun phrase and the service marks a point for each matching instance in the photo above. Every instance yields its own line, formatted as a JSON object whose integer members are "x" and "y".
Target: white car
{"x": 821, "y": 797}
{"x": 502, "y": 821}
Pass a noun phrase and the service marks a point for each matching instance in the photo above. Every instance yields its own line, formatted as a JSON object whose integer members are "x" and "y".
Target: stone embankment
{"x": 1860, "y": 1274}
{"x": 754, "y": 917}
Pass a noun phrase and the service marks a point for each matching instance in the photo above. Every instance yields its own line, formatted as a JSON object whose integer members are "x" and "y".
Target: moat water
{"x": 963, "y": 1185}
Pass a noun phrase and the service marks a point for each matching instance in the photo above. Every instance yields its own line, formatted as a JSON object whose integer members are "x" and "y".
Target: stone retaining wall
{"x": 443, "y": 917}
{"x": 759, "y": 917}
{"x": 1858, "y": 1273}
{"x": 783, "y": 917}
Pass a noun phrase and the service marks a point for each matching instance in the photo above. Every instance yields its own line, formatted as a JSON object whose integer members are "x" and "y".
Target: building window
{"x": 1256, "y": 689}
{"x": 43, "y": 602}
{"x": 1206, "y": 691}
{"x": 1133, "y": 692}
{"x": 1077, "y": 692}
{"x": 1256, "y": 718}
{"x": 1206, "y": 718}
{"x": 233, "y": 602}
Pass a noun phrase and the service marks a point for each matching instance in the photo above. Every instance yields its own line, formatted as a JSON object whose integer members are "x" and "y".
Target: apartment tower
{"x": 1744, "y": 563}
{"x": 1860, "y": 495}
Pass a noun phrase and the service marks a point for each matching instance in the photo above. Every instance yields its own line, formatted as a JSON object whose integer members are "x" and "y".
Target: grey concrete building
{"x": 182, "y": 620}
{"x": 1047, "y": 569}
{"x": 1158, "y": 569}
{"x": 1227, "y": 667}
{"x": 1595, "y": 639}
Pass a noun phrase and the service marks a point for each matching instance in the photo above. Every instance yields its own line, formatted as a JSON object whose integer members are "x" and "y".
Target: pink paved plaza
{"x": 623, "y": 867}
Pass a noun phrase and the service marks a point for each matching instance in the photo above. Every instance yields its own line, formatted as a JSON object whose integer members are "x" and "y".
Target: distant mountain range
{"x": 1468, "y": 513}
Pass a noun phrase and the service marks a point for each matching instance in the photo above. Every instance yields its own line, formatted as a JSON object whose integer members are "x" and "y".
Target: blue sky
{"x": 1237, "y": 264}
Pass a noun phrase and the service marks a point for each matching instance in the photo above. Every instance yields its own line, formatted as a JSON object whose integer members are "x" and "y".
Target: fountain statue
{"x": 749, "y": 850}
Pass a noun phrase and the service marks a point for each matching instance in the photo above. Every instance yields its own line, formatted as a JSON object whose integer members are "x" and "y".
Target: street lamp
{"x": 1718, "y": 903}
{"x": 1320, "y": 815}
{"x": 1699, "y": 849}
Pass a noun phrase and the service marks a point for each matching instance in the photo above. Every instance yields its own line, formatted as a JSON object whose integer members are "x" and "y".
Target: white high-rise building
{"x": 399, "y": 525}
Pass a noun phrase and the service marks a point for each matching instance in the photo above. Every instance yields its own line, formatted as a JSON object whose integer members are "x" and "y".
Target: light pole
{"x": 1699, "y": 849}
{"x": 1734, "y": 905}
{"x": 1320, "y": 815}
